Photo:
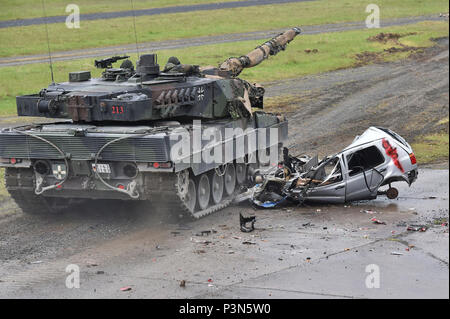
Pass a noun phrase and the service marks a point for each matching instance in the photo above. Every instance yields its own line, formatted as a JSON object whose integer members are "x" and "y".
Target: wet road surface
{"x": 295, "y": 252}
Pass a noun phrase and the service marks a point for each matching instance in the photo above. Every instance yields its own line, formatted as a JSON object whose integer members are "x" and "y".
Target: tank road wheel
{"x": 216, "y": 187}
{"x": 191, "y": 199}
{"x": 241, "y": 173}
{"x": 230, "y": 179}
{"x": 187, "y": 191}
{"x": 203, "y": 191}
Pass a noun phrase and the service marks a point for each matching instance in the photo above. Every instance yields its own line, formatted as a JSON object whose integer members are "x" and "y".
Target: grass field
{"x": 335, "y": 50}
{"x": 432, "y": 148}
{"x": 3, "y": 192}
{"x": 100, "y": 33}
{"x": 26, "y": 9}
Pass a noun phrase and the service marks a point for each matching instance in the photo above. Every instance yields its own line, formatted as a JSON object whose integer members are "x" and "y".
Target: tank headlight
{"x": 42, "y": 167}
{"x": 130, "y": 170}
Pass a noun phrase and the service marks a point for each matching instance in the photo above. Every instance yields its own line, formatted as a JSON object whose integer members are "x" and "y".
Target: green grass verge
{"x": 335, "y": 51}
{"x": 3, "y": 191}
{"x": 26, "y": 9}
{"x": 100, "y": 33}
{"x": 432, "y": 148}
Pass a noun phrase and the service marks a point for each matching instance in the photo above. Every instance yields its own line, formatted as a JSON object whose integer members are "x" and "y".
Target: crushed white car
{"x": 376, "y": 158}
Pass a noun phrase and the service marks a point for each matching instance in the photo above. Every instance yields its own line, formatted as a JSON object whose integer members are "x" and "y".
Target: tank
{"x": 183, "y": 138}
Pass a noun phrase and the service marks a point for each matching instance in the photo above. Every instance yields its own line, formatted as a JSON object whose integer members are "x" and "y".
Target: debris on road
{"x": 91, "y": 264}
{"x": 244, "y": 221}
{"x": 369, "y": 211}
{"x": 377, "y": 158}
{"x": 419, "y": 228}
{"x": 396, "y": 253}
{"x": 308, "y": 224}
{"x": 128, "y": 288}
{"x": 206, "y": 233}
{"x": 204, "y": 242}
{"x": 378, "y": 222}
{"x": 183, "y": 283}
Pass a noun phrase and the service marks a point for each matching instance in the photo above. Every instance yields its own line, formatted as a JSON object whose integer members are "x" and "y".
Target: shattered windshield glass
{"x": 331, "y": 172}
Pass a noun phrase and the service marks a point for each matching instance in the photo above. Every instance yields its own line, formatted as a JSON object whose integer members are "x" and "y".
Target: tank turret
{"x": 146, "y": 93}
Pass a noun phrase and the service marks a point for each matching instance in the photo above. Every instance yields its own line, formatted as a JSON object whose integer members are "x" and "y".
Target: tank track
{"x": 19, "y": 183}
{"x": 163, "y": 192}
{"x": 160, "y": 189}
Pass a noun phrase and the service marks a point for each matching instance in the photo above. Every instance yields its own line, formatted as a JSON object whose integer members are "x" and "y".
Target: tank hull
{"x": 138, "y": 163}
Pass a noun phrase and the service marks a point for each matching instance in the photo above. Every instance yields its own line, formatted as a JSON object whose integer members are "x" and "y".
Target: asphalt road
{"x": 199, "y": 41}
{"x": 296, "y": 252}
{"x": 308, "y": 252}
{"x": 146, "y": 12}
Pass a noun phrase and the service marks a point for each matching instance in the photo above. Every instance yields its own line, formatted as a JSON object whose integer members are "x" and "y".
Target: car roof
{"x": 376, "y": 133}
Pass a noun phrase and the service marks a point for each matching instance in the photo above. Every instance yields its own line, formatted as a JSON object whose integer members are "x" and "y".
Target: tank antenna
{"x": 48, "y": 42}
{"x": 135, "y": 33}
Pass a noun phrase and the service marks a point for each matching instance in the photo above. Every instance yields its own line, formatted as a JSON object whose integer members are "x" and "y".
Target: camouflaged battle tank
{"x": 144, "y": 134}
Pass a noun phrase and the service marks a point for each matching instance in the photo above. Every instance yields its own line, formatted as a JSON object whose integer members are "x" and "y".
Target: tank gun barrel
{"x": 260, "y": 53}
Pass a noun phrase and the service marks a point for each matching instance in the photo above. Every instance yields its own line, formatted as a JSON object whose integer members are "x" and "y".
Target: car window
{"x": 330, "y": 173}
{"x": 364, "y": 159}
{"x": 394, "y": 135}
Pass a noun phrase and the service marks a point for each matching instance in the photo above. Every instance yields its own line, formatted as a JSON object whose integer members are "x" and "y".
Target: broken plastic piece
{"x": 244, "y": 221}
{"x": 376, "y": 221}
{"x": 417, "y": 228}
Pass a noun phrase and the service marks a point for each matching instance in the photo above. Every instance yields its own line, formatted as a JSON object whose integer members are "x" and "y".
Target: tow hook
{"x": 39, "y": 183}
{"x": 131, "y": 190}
